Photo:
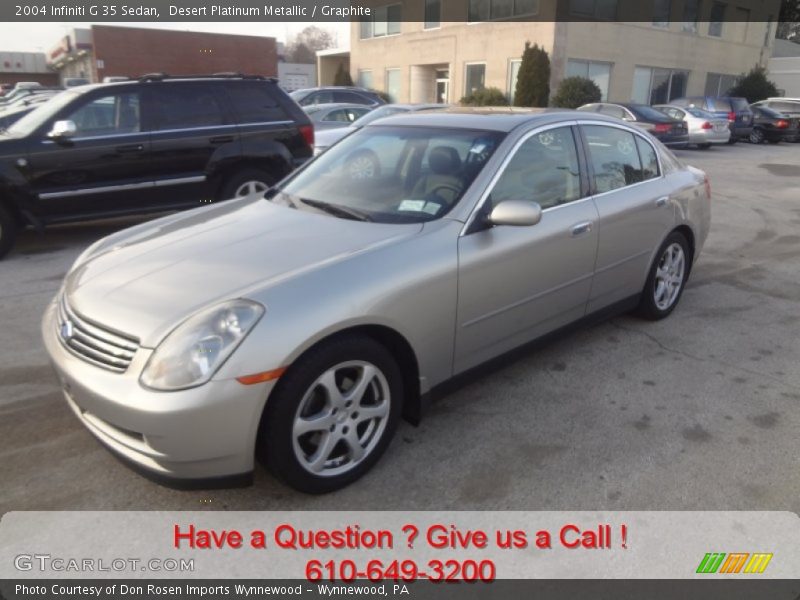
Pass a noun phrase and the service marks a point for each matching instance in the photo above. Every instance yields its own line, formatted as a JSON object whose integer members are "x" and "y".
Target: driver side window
{"x": 119, "y": 113}
{"x": 544, "y": 170}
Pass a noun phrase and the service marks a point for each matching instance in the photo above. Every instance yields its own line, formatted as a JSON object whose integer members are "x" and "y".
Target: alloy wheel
{"x": 341, "y": 418}
{"x": 669, "y": 276}
{"x": 251, "y": 187}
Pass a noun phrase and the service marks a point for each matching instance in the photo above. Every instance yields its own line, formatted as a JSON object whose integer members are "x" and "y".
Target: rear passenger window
{"x": 613, "y": 156}
{"x": 349, "y": 97}
{"x": 185, "y": 106}
{"x": 649, "y": 158}
{"x": 254, "y": 103}
{"x": 544, "y": 169}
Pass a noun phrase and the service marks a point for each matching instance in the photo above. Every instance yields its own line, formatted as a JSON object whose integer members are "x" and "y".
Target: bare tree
{"x": 304, "y": 46}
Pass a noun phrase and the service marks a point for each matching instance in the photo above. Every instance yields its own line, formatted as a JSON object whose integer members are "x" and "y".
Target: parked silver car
{"x": 705, "y": 128}
{"x": 298, "y": 326}
{"x": 335, "y": 116}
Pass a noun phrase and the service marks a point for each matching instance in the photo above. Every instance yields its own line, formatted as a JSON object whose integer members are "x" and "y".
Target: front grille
{"x": 94, "y": 343}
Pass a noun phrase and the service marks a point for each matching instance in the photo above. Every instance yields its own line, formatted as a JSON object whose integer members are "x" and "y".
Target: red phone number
{"x": 402, "y": 570}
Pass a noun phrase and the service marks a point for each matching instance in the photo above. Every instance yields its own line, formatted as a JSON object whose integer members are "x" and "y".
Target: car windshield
{"x": 378, "y": 113}
{"x": 33, "y": 120}
{"x": 391, "y": 174}
{"x": 298, "y": 95}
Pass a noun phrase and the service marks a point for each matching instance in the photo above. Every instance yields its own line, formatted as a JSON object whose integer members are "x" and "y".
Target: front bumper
{"x": 207, "y": 432}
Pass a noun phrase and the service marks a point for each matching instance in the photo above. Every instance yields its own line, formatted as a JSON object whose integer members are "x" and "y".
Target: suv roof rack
{"x": 225, "y": 75}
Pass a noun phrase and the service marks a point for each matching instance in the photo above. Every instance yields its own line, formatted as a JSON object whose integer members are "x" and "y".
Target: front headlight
{"x": 192, "y": 353}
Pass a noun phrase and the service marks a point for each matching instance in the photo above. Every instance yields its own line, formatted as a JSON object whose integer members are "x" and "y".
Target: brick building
{"x": 25, "y": 66}
{"x": 108, "y": 51}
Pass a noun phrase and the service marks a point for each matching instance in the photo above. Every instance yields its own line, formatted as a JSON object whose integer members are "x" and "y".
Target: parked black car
{"x": 771, "y": 126}
{"x": 668, "y": 131}
{"x": 155, "y": 144}
{"x": 736, "y": 110}
{"x": 337, "y": 94}
{"x": 787, "y": 106}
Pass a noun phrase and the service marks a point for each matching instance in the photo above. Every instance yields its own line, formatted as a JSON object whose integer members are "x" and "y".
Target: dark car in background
{"x": 787, "y": 106}
{"x": 736, "y": 110}
{"x": 337, "y": 94}
{"x": 771, "y": 126}
{"x": 12, "y": 115}
{"x": 156, "y": 144}
{"x": 335, "y": 116}
{"x": 669, "y": 131}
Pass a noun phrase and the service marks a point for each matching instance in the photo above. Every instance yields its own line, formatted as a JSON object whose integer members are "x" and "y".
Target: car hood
{"x": 328, "y": 137}
{"x": 146, "y": 281}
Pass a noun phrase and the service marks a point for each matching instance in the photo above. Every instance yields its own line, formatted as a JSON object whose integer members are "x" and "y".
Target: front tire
{"x": 8, "y": 230}
{"x": 666, "y": 279}
{"x": 756, "y": 136}
{"x": 332, "y": 415}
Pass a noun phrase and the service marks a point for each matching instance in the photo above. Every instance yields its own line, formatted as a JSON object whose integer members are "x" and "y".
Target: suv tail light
{"x": 662, "y": 128}
{"x": 782, "y": 124}
{"x": 731, "y": 116}
{"x": 307, "y": 131}
{"x": 707, "y": 125}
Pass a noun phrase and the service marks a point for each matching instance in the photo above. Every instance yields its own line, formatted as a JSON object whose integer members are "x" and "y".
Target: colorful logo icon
{"x": 734, "y": 563}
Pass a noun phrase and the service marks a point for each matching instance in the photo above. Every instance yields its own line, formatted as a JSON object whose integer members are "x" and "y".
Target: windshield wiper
{"x": 337, "y": 210}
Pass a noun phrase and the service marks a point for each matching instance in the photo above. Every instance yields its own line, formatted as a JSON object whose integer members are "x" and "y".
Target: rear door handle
{"x": 581, "y": 228}
{"x": 221, "y": 139}
{"x": 662, "y": 201}
{"x": 130, "y": 148}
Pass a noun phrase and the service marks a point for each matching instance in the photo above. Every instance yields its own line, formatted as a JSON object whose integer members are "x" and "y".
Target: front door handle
{"x": 581, "y": 228}
{"x": 662, "y": 201}
{"x": 221, "y": 139}
{"x": 130, "y": 148}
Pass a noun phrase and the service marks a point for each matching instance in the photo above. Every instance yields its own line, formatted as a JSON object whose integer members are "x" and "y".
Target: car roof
{"x": 502, "y": 119}
{"x": 332, "y": 105}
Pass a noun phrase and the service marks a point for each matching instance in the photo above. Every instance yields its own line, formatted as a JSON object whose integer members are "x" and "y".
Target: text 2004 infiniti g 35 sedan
{"x": 299, "y": 326}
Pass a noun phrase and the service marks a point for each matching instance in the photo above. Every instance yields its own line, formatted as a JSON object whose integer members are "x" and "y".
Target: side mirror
{"x": 518, "y": 213}
{"x": 63, "y": 130}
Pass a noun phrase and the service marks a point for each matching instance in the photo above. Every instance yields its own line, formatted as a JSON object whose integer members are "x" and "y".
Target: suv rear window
{"x": 719, "y": 104}
{"x": 254, "y": 103}
{"x": 739, "y": 103}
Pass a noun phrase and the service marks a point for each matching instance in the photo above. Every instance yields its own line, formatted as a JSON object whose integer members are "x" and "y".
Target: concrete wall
{"x": 785, "y": 72}
{"x": 295, "y": 76}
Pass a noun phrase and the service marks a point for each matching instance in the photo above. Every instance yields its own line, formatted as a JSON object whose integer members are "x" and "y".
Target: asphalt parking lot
{"x": 699, "y": 411}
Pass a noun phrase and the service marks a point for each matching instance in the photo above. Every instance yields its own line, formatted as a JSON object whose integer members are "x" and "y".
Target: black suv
{"x": 159, "y": 143}
{"x": 337, "y": 94}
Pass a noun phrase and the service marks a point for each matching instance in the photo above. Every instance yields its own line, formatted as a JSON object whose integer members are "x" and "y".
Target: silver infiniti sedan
{"x": 705, "y": 129}
{"x": 299, "y": 326}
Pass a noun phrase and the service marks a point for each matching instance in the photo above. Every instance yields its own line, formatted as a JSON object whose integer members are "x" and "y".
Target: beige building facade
{"x": 690, "y": 47}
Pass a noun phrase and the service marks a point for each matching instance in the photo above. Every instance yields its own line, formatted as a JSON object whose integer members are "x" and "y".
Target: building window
{"x": 661, "y": 12}
{"x": 717, "y": 18}
{"x": 365, "y": 79}
{"x": 718, "y": 84}
{"x": 393, "y": 84}
{"x": 691, "y": 9}
{"x": 433, "y": 13}
{"x": 475, "y": 78}
{"x": 599, "y": 72}
{"x": 594, "y": 9}
{"x": 490, "y": 10}
{"x": 385, "y": 21}
{"x": 652, "y": 85}
{"x": 513, "y": 75}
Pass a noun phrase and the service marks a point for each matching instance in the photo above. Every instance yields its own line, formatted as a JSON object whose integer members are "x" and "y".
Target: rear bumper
{"x": 709, "y": 137}
{"x": 675, "y": 141}
{"x": 741, "y": 131}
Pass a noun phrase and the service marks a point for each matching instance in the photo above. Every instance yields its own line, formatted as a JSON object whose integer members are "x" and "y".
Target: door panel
{"x": 517, "y": 283}
{"x": 103, "y": 168}
{"x": 635, "y": 210}
{"x": 192, "y": 122}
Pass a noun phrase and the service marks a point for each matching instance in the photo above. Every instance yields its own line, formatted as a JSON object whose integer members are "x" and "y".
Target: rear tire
{"x": 732, "y": 140}
{"x": 8, "y": 230}
{"x": 667, "y": 278}
{"x": 332, "y": 415}
{"x": 756, "y": 136}
{"x": 244, "y": 182}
